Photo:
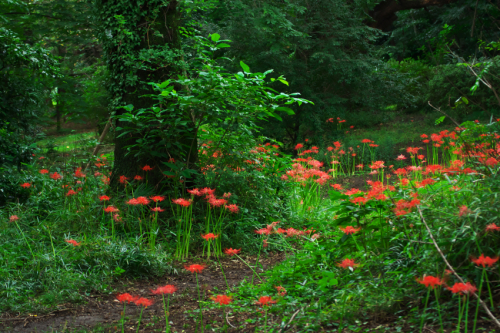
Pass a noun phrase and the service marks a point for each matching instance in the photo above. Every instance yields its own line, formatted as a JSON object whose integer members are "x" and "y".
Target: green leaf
{"x": 245, "y": 67}
{"x": 285, "y": 109}
{"x": 440, "y": 120}
{"x": 221, "y": 45}
{"x": 215, "y": 37}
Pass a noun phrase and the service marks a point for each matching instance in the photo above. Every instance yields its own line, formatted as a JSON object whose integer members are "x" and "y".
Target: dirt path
{"x": 102, "y": 313}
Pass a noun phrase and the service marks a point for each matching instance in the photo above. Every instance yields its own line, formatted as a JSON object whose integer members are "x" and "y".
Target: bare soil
{"x": 104, "y": 311}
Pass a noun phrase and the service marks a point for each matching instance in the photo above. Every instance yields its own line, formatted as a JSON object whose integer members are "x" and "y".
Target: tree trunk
{"x": 146, "y": 30}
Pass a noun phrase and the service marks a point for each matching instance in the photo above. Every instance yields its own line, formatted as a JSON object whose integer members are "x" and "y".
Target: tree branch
{"x": 485, "y": 307}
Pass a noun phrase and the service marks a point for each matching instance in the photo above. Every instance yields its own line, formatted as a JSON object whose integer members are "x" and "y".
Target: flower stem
{"x": 250, "y": 267}
{"x": 425, "y": 308}
{"x": 167, "y": 329}
{"x": 477, "y": 305}
{"x": 439, "y": 310}
{"x": 140, "y": 317}
{"x": 123, "y": 316}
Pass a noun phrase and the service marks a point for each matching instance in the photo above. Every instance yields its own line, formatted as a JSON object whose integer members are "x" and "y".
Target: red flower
{"x": 195, "y": 268}
{"x": 195, "y": 191}
{"x": 207, "y": 191}
{"x": 263, "y": 231}
{"x": 147, "y": 168}
{"x": 217, "y": 202}
{"x": 336, "y": 186}
{"x": 44, "y": 171}
{"x": 464, "y": 211}
{"x": 265, "y": 301}
{"x": 222, "y": 299}
{"x": 182, "y": 202}
{"x": 347, "y": 263}
{"x": 299, "y": 146}
{"x": 168, "y": 289}
{"x": 104, "y": 198}
{"x": 133, "y": 202}
{"x": 157, "y": 209}
{"x": 231, "y": 252}
{"x": 366, "y": 141}
{"x": 281, "y": 290}
{"x": 111, "y": 209}
{"x": 462, "y": 288}
{"x": 483, "y": 261}
{"x": 70, "y": 193}
{"x": 227, "y": 195}
{"x": 492, "y": 227}
{"x": 157, "y": 198}
{"x": 13, "y": 218}
{"x": 72, "y": 242}
{"x": 55, "y": 176}
{"x": 26, "y": 185}
{"x": 142, "y": 200}
{"x": 209, "y": 236}
{"x": 143, "y": 301}
{"x": 79, "y": 174}
{"x": 350, "y": 230}
{"x": 123, "y": 179}
{"x": 232, "y": 208}
{"x": 430, "y": 281}
{"x": 126, "y": 298}
{"x": 137, "y": 177}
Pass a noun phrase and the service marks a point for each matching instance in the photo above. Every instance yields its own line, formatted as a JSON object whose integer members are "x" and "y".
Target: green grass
{"x": 68, "y": 143}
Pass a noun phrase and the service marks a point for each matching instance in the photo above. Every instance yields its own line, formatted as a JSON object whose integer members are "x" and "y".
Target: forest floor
{"x": 102, "y": 313}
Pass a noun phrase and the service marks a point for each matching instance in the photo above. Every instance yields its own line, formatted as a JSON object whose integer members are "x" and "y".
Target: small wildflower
{"x": 55, "y": 176}
{"x": 209, "y": 236}
{"x": 265, "y": 301}
{"x": 195, "y": 268}
{"x": 232, "y": 208}
{"x": 147, "y": 168}
{"x": 143, "y": 301}
{"x": 104, "y": 198}
{"x": 222, "y": 299}
{"x": 168, "y": 289}
{"x": 26, "y": 185}
{"x": 484, "y": 261}
{"x": 157, "y": 209}
{"x": 462, "y": 288}
{"x": 430, "y": 281}
{"x": 492, "y": 227}
{"x": 350, "y": 230}
{"x": 111, "y": 209}
{"x": 231, "y": 252}
{"x": 72, "y": 242}
{"x": 70, "y": 193}
{"x": 13, "y": 218}
{"x": 157, "y": 198}
{"x": 281, "y": 290}
{"x": 43, "y": 171}
{"x": 347, "y": 263}
{"x": 182, "y": 202}
{"x": 126, "y": 298}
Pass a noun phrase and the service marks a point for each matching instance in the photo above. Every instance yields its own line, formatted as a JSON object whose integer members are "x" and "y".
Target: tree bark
{"x": 164, "y": 18}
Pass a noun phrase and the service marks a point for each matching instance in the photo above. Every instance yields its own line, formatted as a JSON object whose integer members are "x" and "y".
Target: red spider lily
{"x": 13, "y": 218}
{"x": 231, "y": 252}
{"x": 227, "y": 195}
{"x": 147, "y": 168}
{"x": 117, "y": 218}
{"x": 195, "y": 268}
{"x": 97, "y": 174}
{"x": 366, "y": 141}
{"x": 143, "y": 301}
{"x": 217, "y": 202}
{"x": 70, "y": 193}
{"x": 72, "y": 242}
{"x": 127, "y": 298}
{"x": 43, "y": 171}
{"x": 350, "y": 230}
{"x": 133, "y": 201}
{"x": 104, "y": 198}
{"x": 222, "y": 299}
{"x": 413, "y": 151}
{"x": 347, "y": 263}
{"x": 338, "y": 187}
{"x": 168, "y": 289}
{"x": 455, "y": 188}
{"x": 265, "y": 301}
{"x": 491, "y": 161}
{"x": 111, "y": 209}
{"x": 232, "y": 208}
{"x": 79, "y": 174}
{"x": 492, "y": 227}
{"x": 483, "y": 261}
{"x": 462, "y": 288}
{"x": 137, "y": 177}
{"x": 182, "y": 202}
{"x": 123, "y": 180}
{"x": 41, "y": 158}
{"x": 143, "y": 200}
{"x": 464, "y": 211}
{"x": 209, "y": 236}
{"x": 299, "y": 146}
{"x": 401, "y": 157}
{"x": 281, "y": 290}
{"x": 55, "y": 176}
{"x": 352, "y": 191}
{"x": 157, "y": 209}
{"x": 195, "y": 191}
{"x": 377, "y": 165}
{"x": 207, "y": 191}
{"x": 424, "y": 136}
{"x": 359, "y": 200}
{"x": 157, "y": 198}
{"x": 431, "y": 281}
{"x": 26, "y": 185}
{"x": 263, "y": 231}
